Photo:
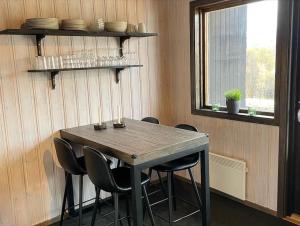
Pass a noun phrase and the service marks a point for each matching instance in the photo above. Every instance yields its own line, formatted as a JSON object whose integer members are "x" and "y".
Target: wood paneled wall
{"x": 31, "y": 181}
{"x": 256, "y": 144}
{"x": 31, "y": 113}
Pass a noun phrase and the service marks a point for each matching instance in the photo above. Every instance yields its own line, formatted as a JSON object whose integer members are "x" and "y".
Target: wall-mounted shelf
{"x": 54, "y": 72}
{"x": 40, "y": 34}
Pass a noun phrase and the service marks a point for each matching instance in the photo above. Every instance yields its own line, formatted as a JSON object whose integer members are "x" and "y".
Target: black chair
{"x": 115, "y": 181}
{"x": 151, "y": 120}
{"x": 72, "y": 166}
{"x": 185, "y": 163}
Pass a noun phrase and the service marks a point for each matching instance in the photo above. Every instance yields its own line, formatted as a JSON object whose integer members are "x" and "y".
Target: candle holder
{"x": 100, "y": 126}
{"x": 215, "y": 107}
{"x": 119, "y": 125}
{"x": 251, "y": 111}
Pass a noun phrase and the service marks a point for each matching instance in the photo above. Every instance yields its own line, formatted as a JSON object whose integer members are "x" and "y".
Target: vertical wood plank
{"x": 152, "y": 51}
{"x": 112, "y": 44}
{"x": 7, "y": 216}
{"x": 80, "y": 76}
{"x": 134, "y": 72}
{"x": 125, "y": 78}
{"x": 104, "y": 75}
{"x": 7, "y": 213}
{"x": 67, "y": 78}
{"x": 143, "y": 59}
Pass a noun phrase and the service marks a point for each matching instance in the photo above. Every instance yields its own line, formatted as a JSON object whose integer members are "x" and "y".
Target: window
{"x": 234, "y": 45}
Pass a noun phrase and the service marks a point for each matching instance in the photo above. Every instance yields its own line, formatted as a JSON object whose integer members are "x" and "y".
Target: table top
{"x": 138, "y": 142}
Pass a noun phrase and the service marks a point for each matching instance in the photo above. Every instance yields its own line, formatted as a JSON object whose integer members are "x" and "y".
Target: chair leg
{"x": 161, "y": 184}
{"x": 95, "y": 206}
{"x": 64, "y": 201}
{"x": 116, "y": 206}
{"x": 144, "y": 210}
{"x": 170, "y": 199}
{"x": 173, "y": 193}
{"x": 149, "y": 175}
{"x": 80, "y": 199}
{"x": 128, "y": 211}
{"x": 98, "y": 200}
{"x": 148, "y": 206}
{"x": 195, "y": 188}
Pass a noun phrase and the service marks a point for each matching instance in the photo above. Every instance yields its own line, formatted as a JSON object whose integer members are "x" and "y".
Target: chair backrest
{"x": 186, "y": 127}
{"x": 98, "y": 170}
{"x": 151, "y": 120}
{"x": 66, "y": 157}
{"x": 194, "y": 157}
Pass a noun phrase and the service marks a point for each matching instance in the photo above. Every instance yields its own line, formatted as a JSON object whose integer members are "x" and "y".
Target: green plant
{"x": 233, "y": 95}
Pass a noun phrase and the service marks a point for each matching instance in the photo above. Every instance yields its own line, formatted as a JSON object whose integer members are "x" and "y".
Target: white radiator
{"x": 228, "y": 175}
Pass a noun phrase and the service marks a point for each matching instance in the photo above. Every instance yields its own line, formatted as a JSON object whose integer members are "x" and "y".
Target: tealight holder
{"x": 119, "y": 125}
{"x": 100, "y": 126}
{"x": 251, "y": 111}
{"x": 215, "y": 107}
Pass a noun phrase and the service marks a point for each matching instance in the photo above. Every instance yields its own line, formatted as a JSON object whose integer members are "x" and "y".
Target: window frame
{"x": 198, "y": 9}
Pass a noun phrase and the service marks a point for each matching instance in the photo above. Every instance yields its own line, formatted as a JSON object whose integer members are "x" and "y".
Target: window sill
{"x": 259, "y": 119}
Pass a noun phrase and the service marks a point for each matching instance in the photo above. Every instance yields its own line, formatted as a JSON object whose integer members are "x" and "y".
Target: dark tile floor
{"x": 225, "y": 212}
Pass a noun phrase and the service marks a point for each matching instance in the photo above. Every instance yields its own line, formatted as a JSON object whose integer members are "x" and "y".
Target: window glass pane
{"x": 240, "y": 53}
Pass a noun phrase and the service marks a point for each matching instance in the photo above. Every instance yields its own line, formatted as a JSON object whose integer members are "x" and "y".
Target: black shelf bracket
{"x": 118, "y": 71}
{"x": 122, "y": 40}
{"x": 39, "y": 39}
{"x": 53, "y": 74}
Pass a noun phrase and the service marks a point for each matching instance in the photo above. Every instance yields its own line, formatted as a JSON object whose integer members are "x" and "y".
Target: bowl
{"x": 116, "y": 26}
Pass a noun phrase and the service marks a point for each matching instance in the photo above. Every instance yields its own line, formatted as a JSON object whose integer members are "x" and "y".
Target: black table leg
{"x": 136, "y": 196}
{"x": 70, "y": 196}
{"x": 205, "y": 192}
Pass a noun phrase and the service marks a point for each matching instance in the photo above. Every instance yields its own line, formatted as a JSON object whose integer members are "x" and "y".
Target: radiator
{"x": 228, "y": 175}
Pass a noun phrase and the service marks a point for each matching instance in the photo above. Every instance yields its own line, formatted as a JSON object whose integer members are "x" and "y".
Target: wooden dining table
{"x": 142, "y": 145}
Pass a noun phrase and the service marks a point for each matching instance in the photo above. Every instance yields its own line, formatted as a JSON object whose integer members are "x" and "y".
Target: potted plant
{"x": 233, "y": 98}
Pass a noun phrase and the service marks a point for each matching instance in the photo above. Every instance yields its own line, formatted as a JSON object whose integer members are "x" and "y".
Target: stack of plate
{"x": 97, "y": 25}
{"x": 73, "y": 24}
{"x": 41, "y": 23}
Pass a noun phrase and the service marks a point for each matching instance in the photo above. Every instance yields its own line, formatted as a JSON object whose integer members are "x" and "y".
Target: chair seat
{"x": 178, "y": 164}
{"x": 122, "y": 178}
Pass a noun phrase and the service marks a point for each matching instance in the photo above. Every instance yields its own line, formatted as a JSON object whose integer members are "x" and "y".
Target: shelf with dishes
{"x": 86, "y": 60}
{"x": 42, "y": 27}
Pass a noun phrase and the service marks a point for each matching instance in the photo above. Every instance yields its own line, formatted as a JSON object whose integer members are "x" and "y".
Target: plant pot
{"x": 233, "y": 106}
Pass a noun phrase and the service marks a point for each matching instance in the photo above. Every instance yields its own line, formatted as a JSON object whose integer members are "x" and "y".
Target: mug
{"x": 142, "y": 28}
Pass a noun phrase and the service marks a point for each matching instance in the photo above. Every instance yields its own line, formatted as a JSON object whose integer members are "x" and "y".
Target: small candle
{"x": 100, "y": 116}
{"x": 119, "y": 115}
